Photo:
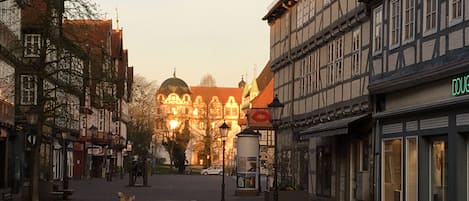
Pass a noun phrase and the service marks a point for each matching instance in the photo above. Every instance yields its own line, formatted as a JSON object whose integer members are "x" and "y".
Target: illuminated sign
{"x": 460, "y": 85}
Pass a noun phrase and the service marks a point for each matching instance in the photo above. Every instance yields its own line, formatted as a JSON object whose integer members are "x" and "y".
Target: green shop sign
{"x": 460, "y": 85}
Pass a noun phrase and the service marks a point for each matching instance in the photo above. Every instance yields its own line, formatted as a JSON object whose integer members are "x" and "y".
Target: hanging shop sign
{"x": 460, "y": 85}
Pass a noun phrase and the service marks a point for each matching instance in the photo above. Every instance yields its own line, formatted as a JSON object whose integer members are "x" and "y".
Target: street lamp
{"x": 65, "y": 161}
{"x": 276, "y": 111}
{"x": 173, "y": 125}
{"x": 223, "y": 134}
{"x": 32, "y": 117}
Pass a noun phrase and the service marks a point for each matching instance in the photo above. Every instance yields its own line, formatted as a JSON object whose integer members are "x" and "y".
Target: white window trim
{"x": 339, "y": 60}
{"x": 312, "y": 8}
{"x": 375, "y": 12}
{"x": 404, "y": 22}
{"x": 457, "y": 20}
{"x": 26, "y": 41}
{"x": 356, "y": 66}
{"x": 426, "y": 31}
{"x": 398, "y": 25}
{"x": 34, "y": 90}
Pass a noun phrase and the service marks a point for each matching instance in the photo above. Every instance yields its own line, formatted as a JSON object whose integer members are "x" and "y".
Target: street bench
{"x": 5, "y": 194}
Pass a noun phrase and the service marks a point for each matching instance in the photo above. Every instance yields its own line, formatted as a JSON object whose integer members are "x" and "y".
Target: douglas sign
{"x": 460, "y": 85}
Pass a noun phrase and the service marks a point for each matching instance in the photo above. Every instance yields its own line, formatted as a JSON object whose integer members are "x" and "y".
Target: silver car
{"x": 212, "y": 170}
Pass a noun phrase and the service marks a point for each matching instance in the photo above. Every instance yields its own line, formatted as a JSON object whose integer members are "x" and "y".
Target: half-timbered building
{"x": 419, "y": 85}
{"x": 319, "y": 55}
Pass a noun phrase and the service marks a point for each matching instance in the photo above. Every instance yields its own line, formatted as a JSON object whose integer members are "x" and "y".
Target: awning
{"x": 332, "y": 128}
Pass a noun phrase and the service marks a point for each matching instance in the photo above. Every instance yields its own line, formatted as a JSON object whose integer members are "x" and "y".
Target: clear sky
{"x": 224, "y": 38}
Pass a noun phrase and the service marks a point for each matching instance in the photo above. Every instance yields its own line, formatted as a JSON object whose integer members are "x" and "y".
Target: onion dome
{"x": 174, "y": 85}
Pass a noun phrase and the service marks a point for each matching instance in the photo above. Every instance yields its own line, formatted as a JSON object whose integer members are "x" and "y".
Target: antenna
{"x": 174, "y": 72}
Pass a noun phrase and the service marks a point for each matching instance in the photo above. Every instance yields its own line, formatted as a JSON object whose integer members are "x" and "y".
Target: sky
{"x": 225, "y": 38}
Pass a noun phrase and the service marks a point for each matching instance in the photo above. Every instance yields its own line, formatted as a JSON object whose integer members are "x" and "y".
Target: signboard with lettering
{"x": 460, "y": 85}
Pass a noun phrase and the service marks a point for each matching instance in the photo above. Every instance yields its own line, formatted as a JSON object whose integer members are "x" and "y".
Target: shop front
{"x": 339, "y": 159}
{"x": 422, "y": 145}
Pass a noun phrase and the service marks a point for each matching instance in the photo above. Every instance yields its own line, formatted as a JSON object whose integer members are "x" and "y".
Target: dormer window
{"x": 32, "y": 45}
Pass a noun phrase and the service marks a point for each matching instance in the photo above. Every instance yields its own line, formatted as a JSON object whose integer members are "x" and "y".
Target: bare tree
{"x": 208, "y": 81}
{"x": 141, "y": 109}
{"x": 54, "y": 68}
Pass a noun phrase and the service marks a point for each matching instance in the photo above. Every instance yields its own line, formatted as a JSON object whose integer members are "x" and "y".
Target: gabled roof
{"x": 116, "y": 44}
{"x": 223, "y": 93}
{"x": 93, "y": 33}
{"x": 264, "y": 77}
{"x": 34, "y": 14}
{"x": 265, "y": 96}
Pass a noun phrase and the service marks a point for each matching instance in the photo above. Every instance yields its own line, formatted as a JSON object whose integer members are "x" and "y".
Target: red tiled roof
{"x": 265, "y": 96}
{"x": 94, "y": 33}
{"x": 34, "y": 14}
{"x": 116, "y": 43}
{"x": 223, "y": 93}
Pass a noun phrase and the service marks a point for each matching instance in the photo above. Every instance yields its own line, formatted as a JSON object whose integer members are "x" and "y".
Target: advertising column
{"x": 247, "y": 162}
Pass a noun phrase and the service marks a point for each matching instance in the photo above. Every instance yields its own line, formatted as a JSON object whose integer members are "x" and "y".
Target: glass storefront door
{"x": 438, "y": 170}
{"x": 391, "y": 186}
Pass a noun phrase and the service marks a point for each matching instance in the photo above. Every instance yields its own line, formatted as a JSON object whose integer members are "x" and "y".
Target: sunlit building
{"x": 318, "y": 54}
{"x": 204, "y": 109}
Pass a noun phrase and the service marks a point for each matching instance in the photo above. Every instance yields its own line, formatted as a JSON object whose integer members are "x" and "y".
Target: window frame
{"x": 356, "y": 52}
{"x": 29, "y": 42}
{"x": 31, "y": 90}
{"x": 429, "y": 30}
{"x": 430, "y": 169}
{"x": 408, "y": 20}
{"x": 407, "y": 167}
{"x": 378, "y": 11}
{"x": 330, "y": 65}
{"x": 394, "y": 23}
{"x": 453, "y": 20}
{"x": 383, "y": 169}
{"x": 339, "y": 60}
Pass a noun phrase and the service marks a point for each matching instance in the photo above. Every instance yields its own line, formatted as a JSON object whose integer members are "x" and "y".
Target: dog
{"x": 123, "y": 197}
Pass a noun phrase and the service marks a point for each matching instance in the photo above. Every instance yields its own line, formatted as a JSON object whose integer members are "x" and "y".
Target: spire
{"x": 117, "y": 18}
{"x": 174, "y": 73}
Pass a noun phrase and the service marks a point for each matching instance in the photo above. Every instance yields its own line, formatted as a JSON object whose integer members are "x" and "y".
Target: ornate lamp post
{"x": 173, "y": 124}
{"x": 276, "y": 111}
{"x": 223, "y": 134}
{"x": 32, "y": 116}
{"x": 65, "y": 161}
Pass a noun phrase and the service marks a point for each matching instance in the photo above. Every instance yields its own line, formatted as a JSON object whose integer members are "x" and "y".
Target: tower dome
{"x": 174, "y": 85}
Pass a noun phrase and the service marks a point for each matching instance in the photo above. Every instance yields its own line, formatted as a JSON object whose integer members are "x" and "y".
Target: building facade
{"x": 9, "y": 40}
{"x": 319, "y": 54}
{"x": 47, "y": 72}
{"x": 418, "y": 81}
{"x": 204, "y": 109}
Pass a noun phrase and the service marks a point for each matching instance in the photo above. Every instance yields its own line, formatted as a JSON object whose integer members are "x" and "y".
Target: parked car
{"x": 212, "y": 170}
